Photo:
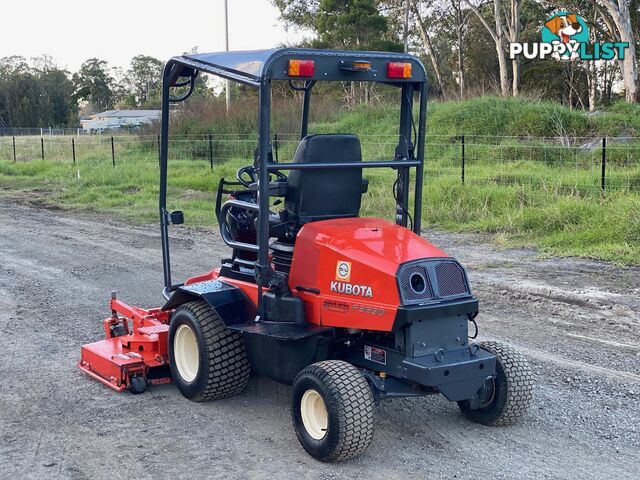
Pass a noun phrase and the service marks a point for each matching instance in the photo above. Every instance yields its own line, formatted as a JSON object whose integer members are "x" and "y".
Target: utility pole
{"x": 406, "y": 26}
{"x": 226, "y": 46}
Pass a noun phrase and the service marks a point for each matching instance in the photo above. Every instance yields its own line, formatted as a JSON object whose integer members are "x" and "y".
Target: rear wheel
{"x": 332, "y": 410}
{"x": 207, "y": 360}
{"x": 505, "y": 399}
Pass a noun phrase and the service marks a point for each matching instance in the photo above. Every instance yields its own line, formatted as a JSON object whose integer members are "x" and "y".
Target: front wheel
{"x": 208, "y": 361}
{"x": 505, "y": 399}
{"x": 332, "y": 410}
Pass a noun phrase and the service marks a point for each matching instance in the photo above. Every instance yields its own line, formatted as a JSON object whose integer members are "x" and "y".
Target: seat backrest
{"x": 320, "y": 194}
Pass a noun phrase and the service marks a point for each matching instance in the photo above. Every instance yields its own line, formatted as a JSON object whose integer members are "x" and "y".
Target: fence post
{"x": 73, "y": 149}
{"x": 463, "y": 158}
{"x": 603, "y": 181}
{"x": 159, "y": 149}
{"x": 14, "y": 149}
{"x": 113, "y": 154}
{"x": 42, "y": 147}
{"x": 211, "y": 151}
{"x": 275, "y": 146}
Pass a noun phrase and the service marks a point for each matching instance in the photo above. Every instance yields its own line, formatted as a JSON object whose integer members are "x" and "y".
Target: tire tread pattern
{"x": 518, "y": 387}
{"x": 352, "y": 396}
{"x": 228, "y": 366}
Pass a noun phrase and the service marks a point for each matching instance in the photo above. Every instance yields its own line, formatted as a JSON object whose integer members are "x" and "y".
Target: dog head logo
{"x": 566, "y": 28}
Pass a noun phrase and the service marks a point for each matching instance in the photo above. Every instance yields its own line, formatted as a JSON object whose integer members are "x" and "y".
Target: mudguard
{"x": 228, "y": 301}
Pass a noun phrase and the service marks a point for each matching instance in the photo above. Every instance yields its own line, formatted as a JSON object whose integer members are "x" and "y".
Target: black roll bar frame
{"x": 407, "y": 156}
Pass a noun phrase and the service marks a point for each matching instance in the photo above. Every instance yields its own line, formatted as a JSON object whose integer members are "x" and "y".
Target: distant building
{"x": 113, "y": 119}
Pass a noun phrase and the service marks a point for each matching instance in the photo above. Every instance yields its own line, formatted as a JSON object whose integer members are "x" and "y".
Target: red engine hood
{"x": 352, "y": 263}
{"x": 368, "y": 241}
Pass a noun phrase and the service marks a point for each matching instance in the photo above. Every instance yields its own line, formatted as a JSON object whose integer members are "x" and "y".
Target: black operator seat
{"x": 321, "y": 194}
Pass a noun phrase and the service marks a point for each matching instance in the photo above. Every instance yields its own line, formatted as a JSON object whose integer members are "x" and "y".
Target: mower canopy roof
{"x": 256, "y": 66}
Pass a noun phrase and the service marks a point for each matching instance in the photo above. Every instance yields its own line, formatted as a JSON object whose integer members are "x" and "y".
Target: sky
{"x": 72, "y": 31}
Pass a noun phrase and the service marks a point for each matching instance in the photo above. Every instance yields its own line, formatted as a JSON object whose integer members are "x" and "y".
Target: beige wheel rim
{"x": 186, "y": 353}
{"x": 314, "y": 414}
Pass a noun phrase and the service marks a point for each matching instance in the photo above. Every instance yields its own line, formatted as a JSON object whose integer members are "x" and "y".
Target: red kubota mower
{"x": 347, "y": 310}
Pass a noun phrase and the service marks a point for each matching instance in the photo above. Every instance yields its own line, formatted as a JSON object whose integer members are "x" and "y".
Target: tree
{"x": 342, "y": 24}
{"x": 298, "y": 13}
{"x": 347, "y": 24}
{"x": 353, "y": 24}
{"x": 620, "y": 16}
{"x": 35, "y": 96}
{"x": 497, "y": 34}
{"x": 457, "y": 39}
{"x": 513, "y": 29}
{"x": 56, "y": 101}
{"x": 94, "y": 84}
{"x": 18, "y": 92}
{"x": 143, "y": 78}
{"x": 43, "y": 63}
{"x": 461, "y": 18}
{"x": 427, "y": 45}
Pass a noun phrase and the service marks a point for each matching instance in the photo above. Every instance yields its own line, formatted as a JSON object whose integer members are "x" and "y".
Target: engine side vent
{"x": 430, "y": 280}
{"x": 415, "y": 285}
{"x": 450, "y": 279}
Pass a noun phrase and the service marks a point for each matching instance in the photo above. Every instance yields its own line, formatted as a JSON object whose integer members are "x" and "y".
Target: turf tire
{"x": 349, "y": 404}
{"x": 223, "y": 368}
{"x": 513, "y": 389}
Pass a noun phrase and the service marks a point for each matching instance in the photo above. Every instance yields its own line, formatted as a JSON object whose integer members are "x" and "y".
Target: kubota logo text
{"x": 350, "y": 289}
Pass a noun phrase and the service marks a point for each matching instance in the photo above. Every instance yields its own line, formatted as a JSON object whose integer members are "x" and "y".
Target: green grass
{"x": 491, "y": 116}
{"x": 494, "y": 116}
{"x": 128, "y": 191}
{"x": 525, "y": 192}
{"x": 605, "y": 228}
{"x": 558, "y": 219}
{"x": 621, "y": 119}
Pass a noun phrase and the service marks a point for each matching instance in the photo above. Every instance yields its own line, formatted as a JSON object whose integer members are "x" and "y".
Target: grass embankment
{"x": 491, "y": 116}
{"x": 525, "y": 194}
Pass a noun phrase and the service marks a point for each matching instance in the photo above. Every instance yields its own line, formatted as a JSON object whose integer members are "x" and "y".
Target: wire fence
{"x": 42, "y": 131}
{"x": 564, "y": 164}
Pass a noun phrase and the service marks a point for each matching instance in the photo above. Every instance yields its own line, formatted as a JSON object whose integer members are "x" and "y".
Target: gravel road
{"x": 577, "y": 321}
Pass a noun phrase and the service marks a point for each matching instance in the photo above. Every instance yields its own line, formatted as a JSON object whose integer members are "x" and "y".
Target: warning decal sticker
{"x": 375, "y": 354}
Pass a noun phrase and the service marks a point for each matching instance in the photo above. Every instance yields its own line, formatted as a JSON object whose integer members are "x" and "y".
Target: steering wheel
{"x": 247, "y": 175}
{"x": 245, "y": 172}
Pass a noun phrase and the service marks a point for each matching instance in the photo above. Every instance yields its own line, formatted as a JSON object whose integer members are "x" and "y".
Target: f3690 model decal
{"x": 368, "y": 309}
{"x": 351, "y": 289}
